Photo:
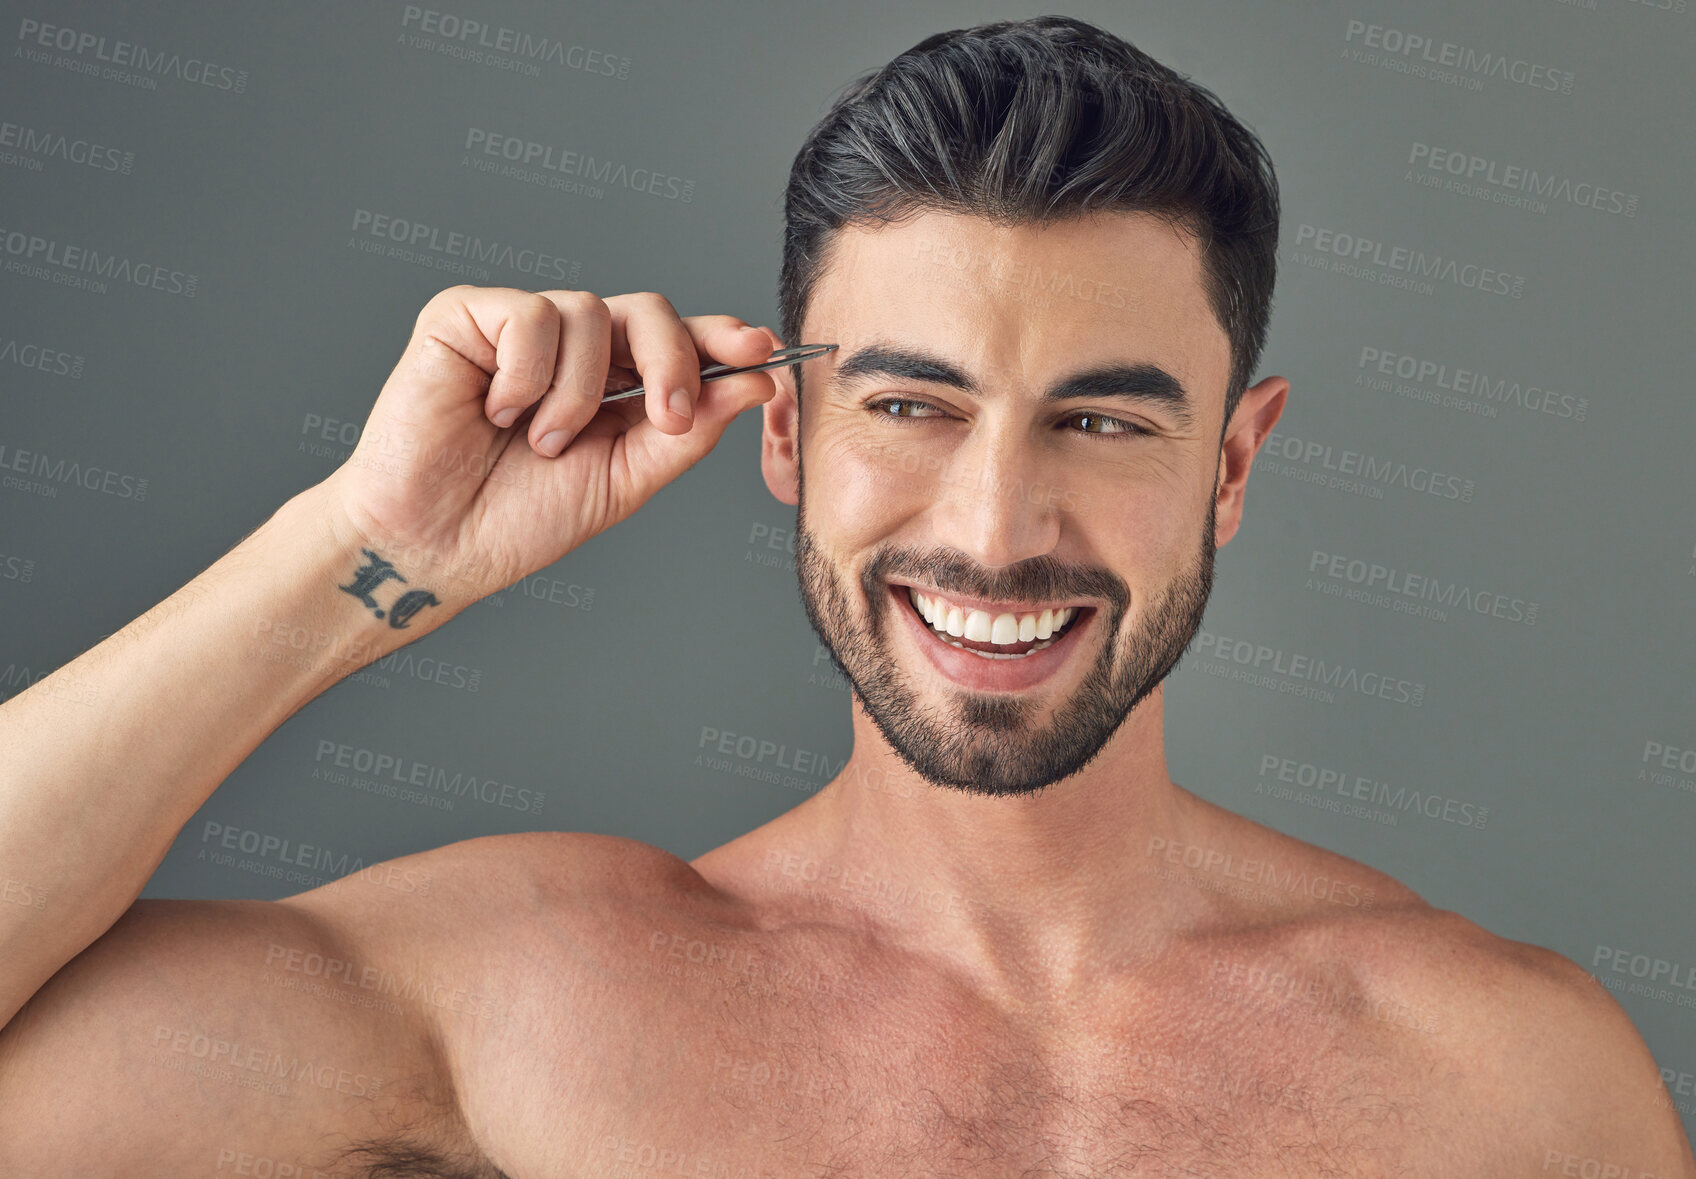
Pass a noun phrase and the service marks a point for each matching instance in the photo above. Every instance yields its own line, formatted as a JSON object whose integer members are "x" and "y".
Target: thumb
{"x": 651, "y": 459}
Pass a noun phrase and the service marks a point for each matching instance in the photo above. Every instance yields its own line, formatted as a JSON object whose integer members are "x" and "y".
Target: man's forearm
{"x": 104, "y": 761}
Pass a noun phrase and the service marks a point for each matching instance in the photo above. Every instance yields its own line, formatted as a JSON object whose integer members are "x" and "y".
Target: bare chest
{"x": 735, "y": 1061}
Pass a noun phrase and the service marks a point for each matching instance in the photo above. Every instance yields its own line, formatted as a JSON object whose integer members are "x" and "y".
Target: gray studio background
{"x": 1529, "y": 763}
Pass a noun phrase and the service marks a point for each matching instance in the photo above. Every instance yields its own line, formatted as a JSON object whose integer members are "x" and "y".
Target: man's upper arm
{"x": 202, "y": 1037}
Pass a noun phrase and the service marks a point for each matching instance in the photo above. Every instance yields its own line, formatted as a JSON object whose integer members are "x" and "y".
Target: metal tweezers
{"x": 779, "y": 359}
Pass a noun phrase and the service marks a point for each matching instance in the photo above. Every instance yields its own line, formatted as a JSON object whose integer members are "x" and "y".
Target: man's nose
{"x": 997, "y": 499}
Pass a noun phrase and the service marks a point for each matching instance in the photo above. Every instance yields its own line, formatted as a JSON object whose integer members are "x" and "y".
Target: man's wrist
{"x": 454, "y": 581}
{"x": 362, "y": 597}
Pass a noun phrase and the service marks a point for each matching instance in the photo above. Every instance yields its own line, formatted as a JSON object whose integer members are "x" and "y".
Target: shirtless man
{"x": 1002, "y": 942}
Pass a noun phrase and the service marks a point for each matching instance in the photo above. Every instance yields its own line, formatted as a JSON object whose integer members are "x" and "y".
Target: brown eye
{"x": 1121, "y": 428}
{"x": 880, "y": 405}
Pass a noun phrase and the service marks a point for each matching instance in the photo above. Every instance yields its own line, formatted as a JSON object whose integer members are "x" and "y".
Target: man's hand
{"x": 489, "y": 453}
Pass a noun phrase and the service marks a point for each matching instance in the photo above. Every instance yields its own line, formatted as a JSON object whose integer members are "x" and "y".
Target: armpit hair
{"x": 405, "y": 1157}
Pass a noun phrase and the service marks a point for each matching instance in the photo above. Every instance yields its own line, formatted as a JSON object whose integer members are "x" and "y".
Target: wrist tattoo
{"x": 373, "y": 574}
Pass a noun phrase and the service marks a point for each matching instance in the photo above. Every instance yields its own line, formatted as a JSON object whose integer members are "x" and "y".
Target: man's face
{"x": 997, "y": 495}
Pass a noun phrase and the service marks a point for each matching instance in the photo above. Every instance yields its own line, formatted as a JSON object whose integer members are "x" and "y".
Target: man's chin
{"x": 988, "y": 744}
{"x": 993, "y": 767}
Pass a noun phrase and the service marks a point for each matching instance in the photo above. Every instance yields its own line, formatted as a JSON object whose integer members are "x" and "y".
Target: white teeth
{"x": 982, "y": 627}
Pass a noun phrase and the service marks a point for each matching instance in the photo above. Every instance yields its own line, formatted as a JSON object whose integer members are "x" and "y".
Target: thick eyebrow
{"x": 1143, "y": 381}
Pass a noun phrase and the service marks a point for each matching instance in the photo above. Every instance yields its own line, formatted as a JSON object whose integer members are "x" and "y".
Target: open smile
{"x": 1001, "y": 651}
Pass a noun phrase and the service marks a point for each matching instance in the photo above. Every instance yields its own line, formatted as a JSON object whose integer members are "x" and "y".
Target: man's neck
{"x": 1028, "y": 897}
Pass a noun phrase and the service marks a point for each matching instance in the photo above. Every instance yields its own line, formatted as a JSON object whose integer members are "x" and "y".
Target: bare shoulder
{"x": 1532, "y": 1061}
{"x": 526, "y": 950}
{"x": 483, "y": 921}
{"x": 1533, "y": 1039}
{"x": 514, "y": 874}
{"x": 295, "y": 1036}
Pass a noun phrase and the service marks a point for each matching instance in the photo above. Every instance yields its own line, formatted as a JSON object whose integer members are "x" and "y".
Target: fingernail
{"x": 506, "y": 417}
{"x": 553, "y": 442}
{"x": 680, "y": 404}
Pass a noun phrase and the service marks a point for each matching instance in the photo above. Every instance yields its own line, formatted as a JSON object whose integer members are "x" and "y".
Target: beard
{"x": 991, "y": 744}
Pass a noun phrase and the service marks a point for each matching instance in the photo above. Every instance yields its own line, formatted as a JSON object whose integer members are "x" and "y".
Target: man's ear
{"x": 780, "y": 438}
{"x": 1257, "y": 412}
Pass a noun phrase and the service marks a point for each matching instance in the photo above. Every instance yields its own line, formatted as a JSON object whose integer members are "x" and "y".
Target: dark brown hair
{"x": 1029, "y": 121}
